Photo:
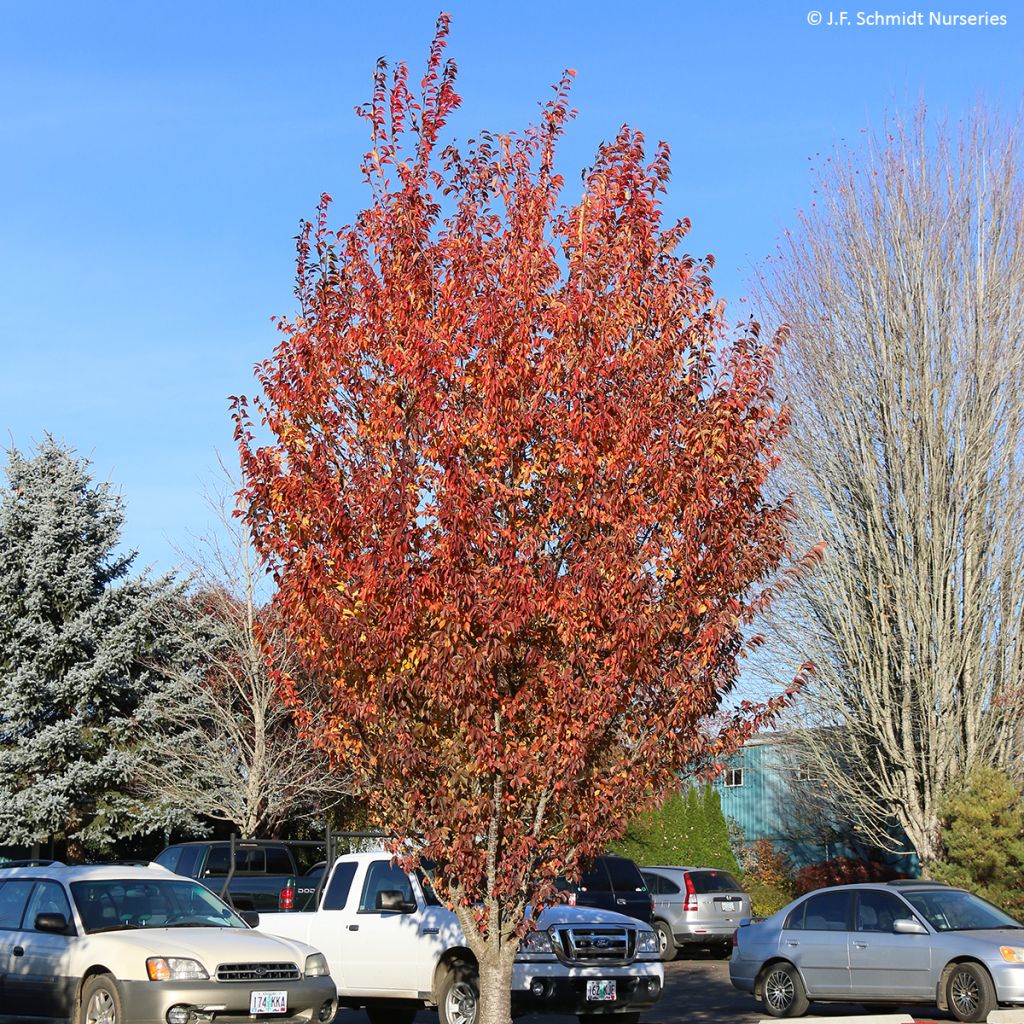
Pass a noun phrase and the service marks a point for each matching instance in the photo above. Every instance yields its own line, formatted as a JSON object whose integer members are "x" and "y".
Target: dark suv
{"x": 612, "y": 883}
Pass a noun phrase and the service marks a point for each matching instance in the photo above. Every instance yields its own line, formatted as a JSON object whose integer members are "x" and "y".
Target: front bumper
{"x": 1009, "y": 981}
{"x": 147, "y": 1002}
{"x": 556, "y": 988}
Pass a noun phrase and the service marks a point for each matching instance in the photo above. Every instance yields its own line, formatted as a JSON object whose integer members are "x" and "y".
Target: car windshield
{"x": 115, "y": 904}
{"x": 953, "y": 910}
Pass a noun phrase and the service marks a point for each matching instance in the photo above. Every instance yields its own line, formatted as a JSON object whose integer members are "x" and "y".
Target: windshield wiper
{"x": 114, "y": 928}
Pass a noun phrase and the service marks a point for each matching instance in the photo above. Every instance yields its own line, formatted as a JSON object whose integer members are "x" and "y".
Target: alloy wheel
{"x": 460, "y": 1004}
{"x": 964, "y": 993}
{"x": 101, "y": 1009}
{"x": 779, "y": 991}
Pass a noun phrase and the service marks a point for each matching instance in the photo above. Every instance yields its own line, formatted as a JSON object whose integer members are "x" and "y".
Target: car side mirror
{"x": 394, "y": 899}
{"x": 250, "y": 917}
{"x": 57, "y": 924}
{"x": 908, "y": 926}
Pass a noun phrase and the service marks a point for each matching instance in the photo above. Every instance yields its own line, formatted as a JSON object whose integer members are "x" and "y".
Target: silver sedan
{"x": 883, "y": 944}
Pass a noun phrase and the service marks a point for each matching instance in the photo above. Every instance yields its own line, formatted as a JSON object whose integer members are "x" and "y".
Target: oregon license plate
{"x": 601, "y": 991}
{"x": 268, "y": 1002}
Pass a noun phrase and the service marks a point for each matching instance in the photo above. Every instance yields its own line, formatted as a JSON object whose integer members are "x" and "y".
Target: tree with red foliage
{"x": 511, "y": 490}
{"x": 842, "y": 871}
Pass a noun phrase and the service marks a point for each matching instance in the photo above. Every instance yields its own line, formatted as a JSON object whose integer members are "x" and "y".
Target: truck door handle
{"x": 353, "y": 927}
{"x": 621, "y": 903}
{"x": 790, "y": 942}
{"x": 18, "y": 951}
{"x": 430, "y": 931}
{"x": 861, "y": 945}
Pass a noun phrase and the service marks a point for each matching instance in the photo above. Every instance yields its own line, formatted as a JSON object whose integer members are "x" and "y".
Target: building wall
{"x": 764, "y": 807}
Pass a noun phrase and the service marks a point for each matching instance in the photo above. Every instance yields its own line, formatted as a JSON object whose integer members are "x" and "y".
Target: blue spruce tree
{"x": 77, "y": 632}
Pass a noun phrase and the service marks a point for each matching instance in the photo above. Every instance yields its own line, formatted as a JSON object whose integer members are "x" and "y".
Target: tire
{"x": 392, "y": 1011}
{"x": 970, "y": 994}
{"x": 609, "y": 1018}
{"x": 783, "y": 992}
{"x": 458, "y": 999}
{"x": 666, "y": 943}
{"x": 101, "y": 1001}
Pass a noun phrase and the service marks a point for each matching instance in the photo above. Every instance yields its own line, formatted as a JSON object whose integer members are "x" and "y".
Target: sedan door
{"x": 14, "y": 894}
{"x": 816, "y": 939}
{"x": 44, "y": 973}
{"x": 884, "y": 964}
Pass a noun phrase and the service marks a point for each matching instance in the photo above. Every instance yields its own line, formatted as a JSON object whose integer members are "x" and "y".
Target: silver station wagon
{"x": 695, "y": 907}
{"x": 881, "y": 944}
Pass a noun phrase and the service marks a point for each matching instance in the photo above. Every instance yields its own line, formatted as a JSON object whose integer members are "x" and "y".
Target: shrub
{"x": 689, "y": 828}
{"x": 765, "y": 899}
{"x": 841, "y": 871}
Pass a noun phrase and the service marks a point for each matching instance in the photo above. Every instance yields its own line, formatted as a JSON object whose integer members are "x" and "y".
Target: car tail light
{"x": 690, "y": 903}
{"x": 735, "y": 937}
{"x": 286, "y": 900}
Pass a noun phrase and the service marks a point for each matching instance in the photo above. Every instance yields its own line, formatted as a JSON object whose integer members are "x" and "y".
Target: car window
{"x": 596, "y": 879}
{"x": 654, "y": 883}
{"x": 189, "y": 861}
{"x": 106, "y": 905}
{"x": 878, "y": 911}
{"x": 952, "y": 910}
{"x": 169, "y": 858}
{"x": 383, "y": 876}
{"x": 218, "y": 861}
{"x": 714, "y": 881}
{"x": 669, "y": 887}
{"x": 795, "y": 918}
{"x": 625, "y": 875}
{"x": 278, "y": 861}
{"x": 827, "y": 912}
{"x": 336, "y": 893}
{"x": 47, "y": 898}
{"x": 14, "y": 894}
{"x": 251, "y": 861}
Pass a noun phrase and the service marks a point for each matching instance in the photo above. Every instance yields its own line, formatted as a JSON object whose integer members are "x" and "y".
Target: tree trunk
{"x": 496, "y": 985}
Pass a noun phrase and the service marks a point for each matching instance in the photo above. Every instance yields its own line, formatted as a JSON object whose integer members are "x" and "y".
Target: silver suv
{"x": 695, "y": 907}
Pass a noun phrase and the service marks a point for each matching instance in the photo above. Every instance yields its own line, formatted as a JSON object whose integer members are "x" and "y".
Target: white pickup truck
{"x": 393, "y": 949}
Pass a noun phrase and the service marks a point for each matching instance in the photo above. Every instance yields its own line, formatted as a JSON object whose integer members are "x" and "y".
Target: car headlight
{"x": 316, "y": 966}
{"x": 535, "y": 942}
{"x": 175, "y": 968}
{"x": 646, "y": 942}
{"x": 1012, "y": 954}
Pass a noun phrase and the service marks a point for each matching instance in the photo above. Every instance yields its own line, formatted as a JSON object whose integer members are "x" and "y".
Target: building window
{"x": 733, "y": 777}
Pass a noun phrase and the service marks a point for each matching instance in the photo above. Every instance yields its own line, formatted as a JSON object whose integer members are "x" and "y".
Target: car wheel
{"x": 101, "y": 1001}
{"x": 970, "y": 994}
{"x": 783, "y": 991}
{"x": 666, "y": 943}
{"x": 386, "y": 1013}
{"x": 609, "y": 1018}
{"x": 458, "y": 1001}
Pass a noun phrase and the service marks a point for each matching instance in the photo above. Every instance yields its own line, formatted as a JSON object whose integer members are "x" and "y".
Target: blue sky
{"x": 155, "y": 159}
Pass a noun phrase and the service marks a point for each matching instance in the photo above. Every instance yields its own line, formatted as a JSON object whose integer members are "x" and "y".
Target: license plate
{"x": 730, "y": 905}
{"x": 601, "y": 991}
{"x": 268, "y": 1002}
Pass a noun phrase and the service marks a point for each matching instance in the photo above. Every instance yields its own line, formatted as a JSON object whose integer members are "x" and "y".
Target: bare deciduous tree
{"x": 904, "y": 290}
{"x": 224, "y": 746}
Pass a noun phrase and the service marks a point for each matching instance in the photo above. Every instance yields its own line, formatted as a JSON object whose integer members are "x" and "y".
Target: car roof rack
{"x": 33, "y": 862}
{"x": 910, "y": 882}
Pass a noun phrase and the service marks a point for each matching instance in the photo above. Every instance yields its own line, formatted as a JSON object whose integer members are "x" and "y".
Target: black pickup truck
{"x": 265, "y": 876}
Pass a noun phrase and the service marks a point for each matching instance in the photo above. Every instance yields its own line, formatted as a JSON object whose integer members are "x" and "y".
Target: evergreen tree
{"x": 76, "y": 635}
{"x": 688, "y": 829}
{"x": 983, "y": 838}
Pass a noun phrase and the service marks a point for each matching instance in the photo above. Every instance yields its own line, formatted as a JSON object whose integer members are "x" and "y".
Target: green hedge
{"x": 688, "y": 829}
